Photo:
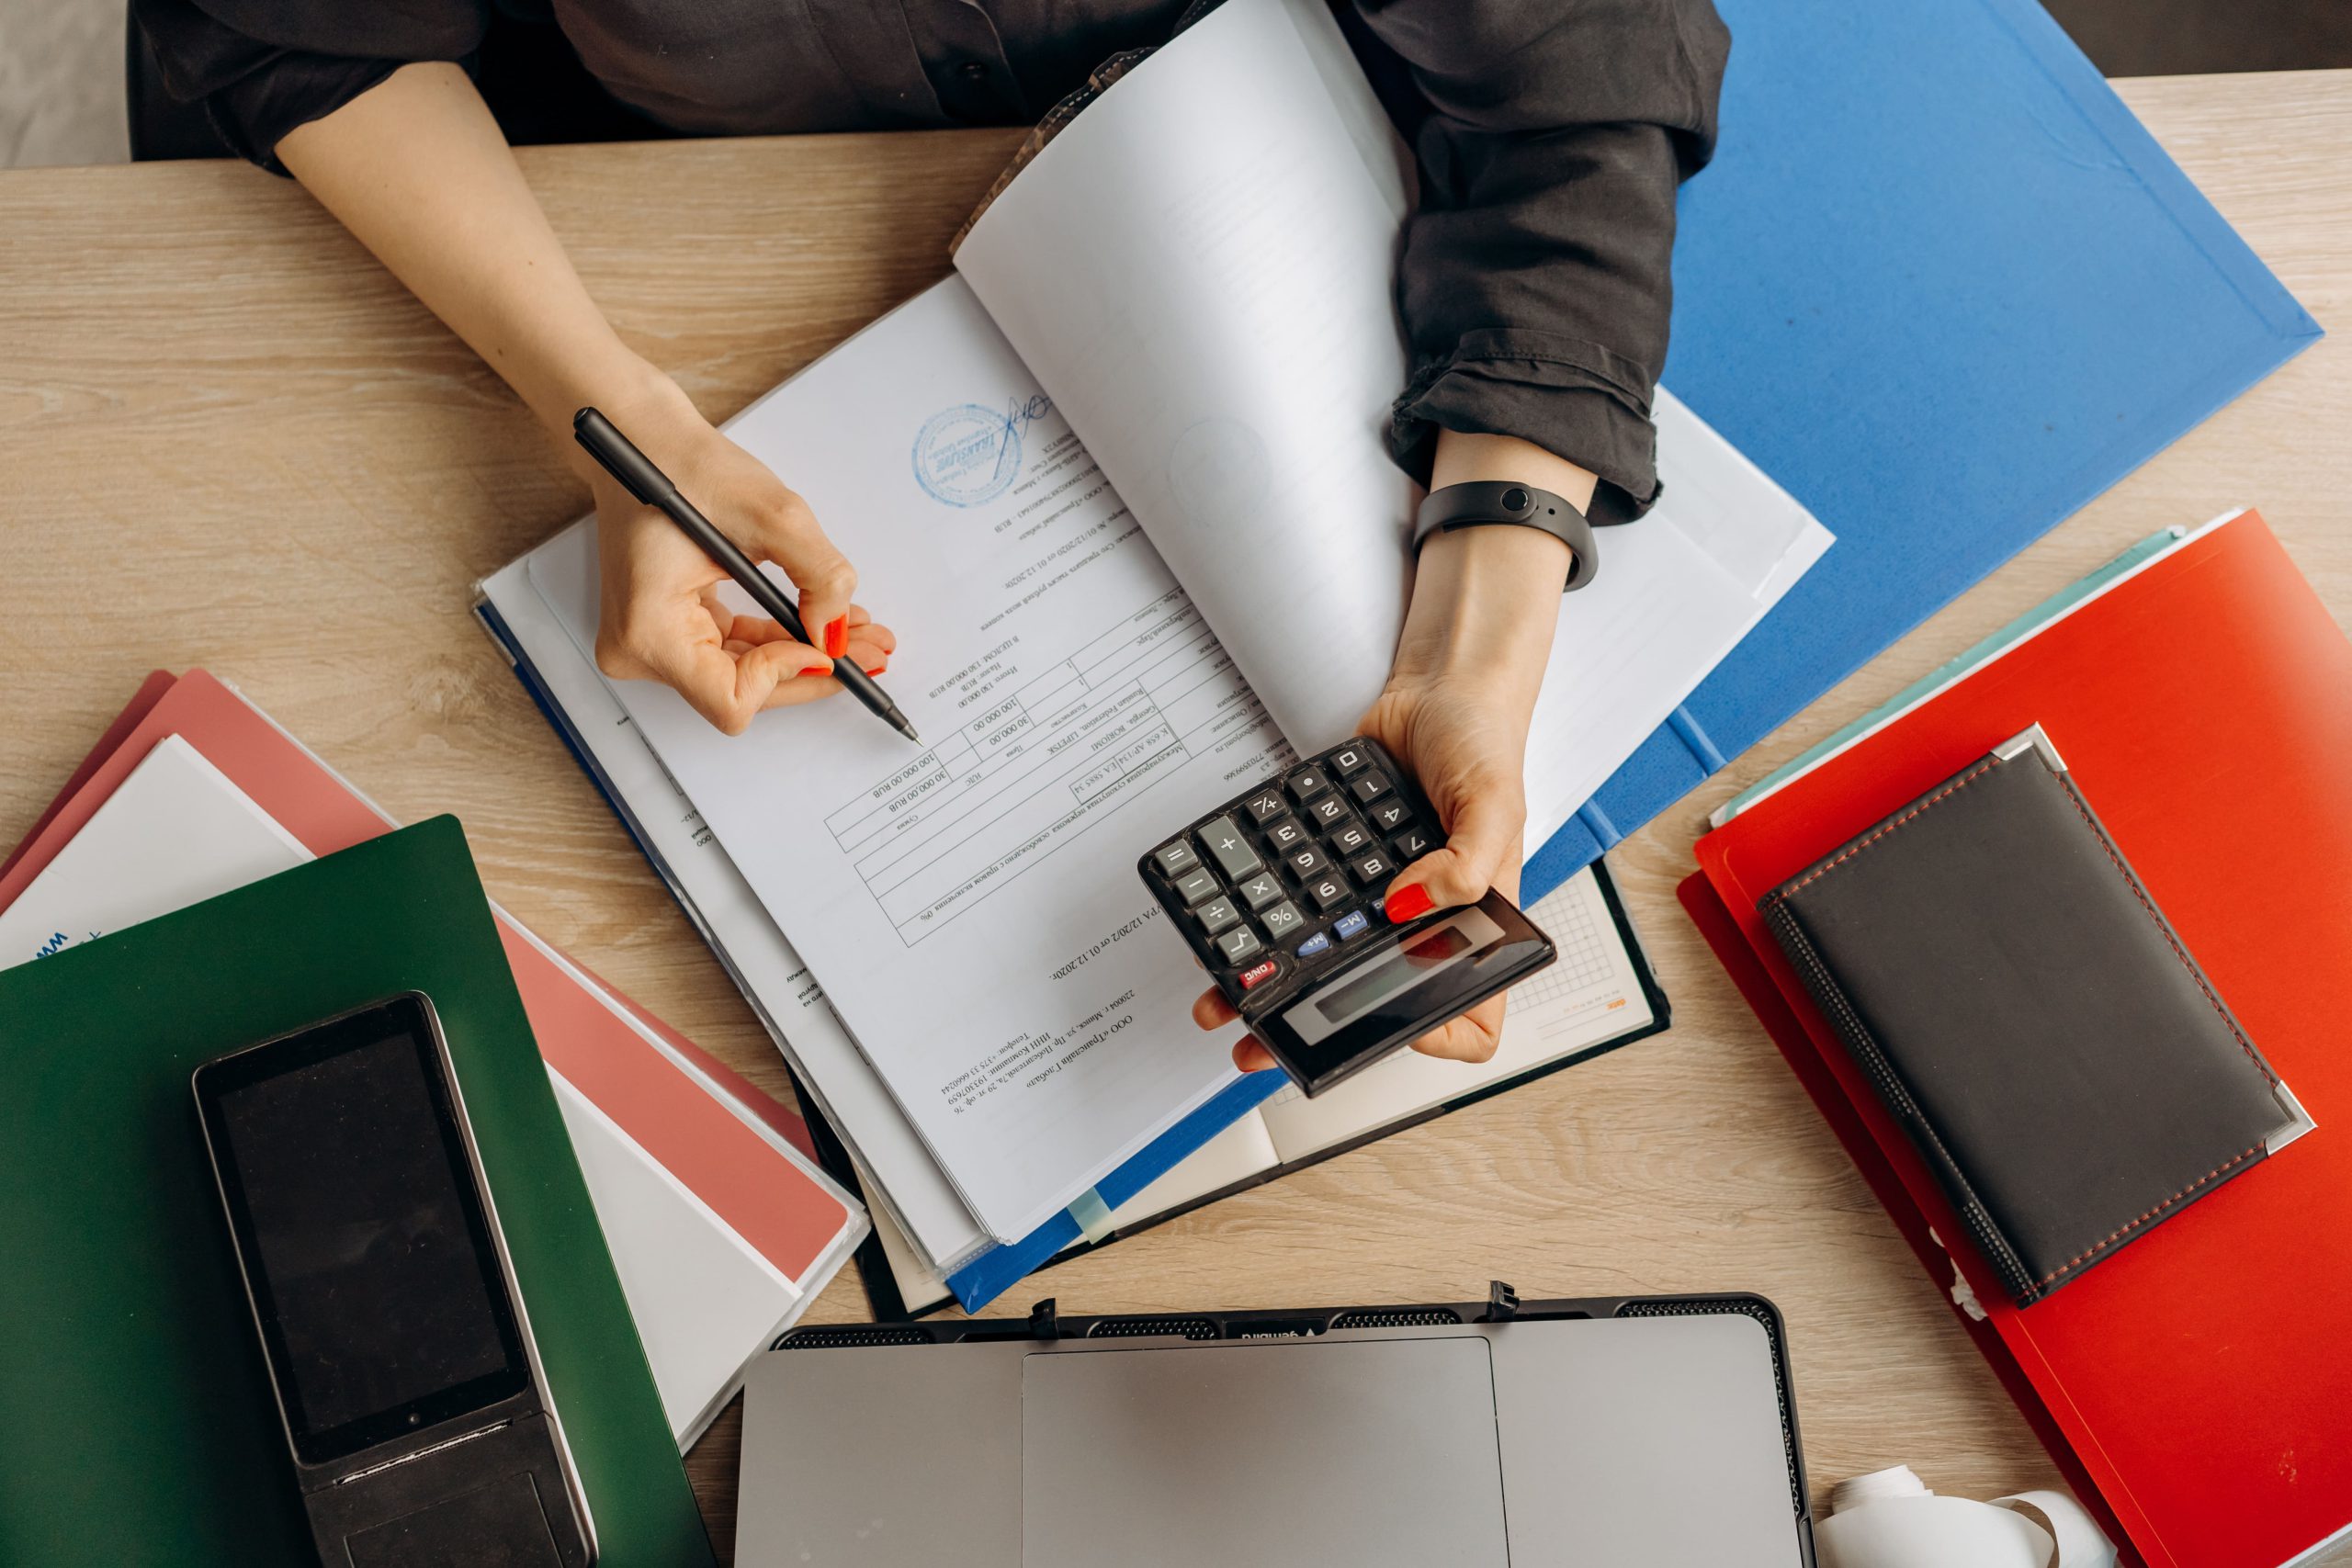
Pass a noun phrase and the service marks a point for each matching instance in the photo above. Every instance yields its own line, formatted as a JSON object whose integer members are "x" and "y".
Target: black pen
{"x": 652, "y": 486}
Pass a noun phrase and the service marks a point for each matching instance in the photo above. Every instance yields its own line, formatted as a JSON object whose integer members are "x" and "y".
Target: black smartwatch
{"x": 1470, "y": 506}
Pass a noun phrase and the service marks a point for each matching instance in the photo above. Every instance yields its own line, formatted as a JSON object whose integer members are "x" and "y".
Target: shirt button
{"x": 973, "y": 71}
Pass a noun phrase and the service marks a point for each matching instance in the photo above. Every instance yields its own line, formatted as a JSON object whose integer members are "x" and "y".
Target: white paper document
{"x": 972, "y": 906}
{"x": 1591, "y": 998}
{"x": 898, "y": 1173}
{"x": 175, "y": 832}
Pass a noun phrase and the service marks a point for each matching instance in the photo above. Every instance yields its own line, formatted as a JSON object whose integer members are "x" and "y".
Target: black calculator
{"x": 1280, "y": 894}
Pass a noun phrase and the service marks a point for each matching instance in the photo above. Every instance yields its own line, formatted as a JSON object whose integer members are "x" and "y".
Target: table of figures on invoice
{"x": 1039, "y": 763}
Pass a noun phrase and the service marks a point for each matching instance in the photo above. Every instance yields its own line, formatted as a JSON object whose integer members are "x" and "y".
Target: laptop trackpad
{"x": 1380, "y": 1453}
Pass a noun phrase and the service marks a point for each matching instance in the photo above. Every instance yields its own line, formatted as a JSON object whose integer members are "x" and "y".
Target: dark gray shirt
{"x": 1551, "y": 136}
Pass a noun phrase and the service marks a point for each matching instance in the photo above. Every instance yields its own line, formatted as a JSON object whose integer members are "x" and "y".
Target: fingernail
{"x": 876, "y": 671}
{"x": 1407, "y": 902}
{"x": 818, "y": 669}
{"x": 837, "y": 636}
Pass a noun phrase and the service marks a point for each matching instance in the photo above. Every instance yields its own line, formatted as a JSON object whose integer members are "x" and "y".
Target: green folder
{"x": 136, "y": 1426}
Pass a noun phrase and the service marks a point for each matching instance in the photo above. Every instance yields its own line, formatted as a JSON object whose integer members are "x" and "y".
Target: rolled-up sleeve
{"x": 260, "y": 68}
{"x": 1534, "y": 283}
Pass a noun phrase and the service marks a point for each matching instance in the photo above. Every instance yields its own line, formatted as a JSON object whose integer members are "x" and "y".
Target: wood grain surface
{"x": 228, "y": 439}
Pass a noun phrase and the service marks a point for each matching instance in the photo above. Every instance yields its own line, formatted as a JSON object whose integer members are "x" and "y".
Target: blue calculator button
{"x": 1316, "y": 944}
{"x": 1353, "y": 924}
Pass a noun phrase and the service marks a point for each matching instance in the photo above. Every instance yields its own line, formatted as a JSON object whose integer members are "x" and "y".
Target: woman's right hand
{"x": 662, "y": 619}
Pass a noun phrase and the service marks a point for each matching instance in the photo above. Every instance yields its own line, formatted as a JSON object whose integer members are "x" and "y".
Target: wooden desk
{"x": 227, "y": 439}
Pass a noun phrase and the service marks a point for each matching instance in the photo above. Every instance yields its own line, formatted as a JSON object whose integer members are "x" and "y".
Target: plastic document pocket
{"x": 1279, "y": 893}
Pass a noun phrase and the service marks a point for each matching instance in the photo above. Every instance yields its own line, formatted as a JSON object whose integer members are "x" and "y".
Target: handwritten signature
{"x": 1020, "y": 413}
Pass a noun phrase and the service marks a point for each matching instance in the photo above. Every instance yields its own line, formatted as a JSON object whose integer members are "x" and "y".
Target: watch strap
{"x": 1482, "y": 502}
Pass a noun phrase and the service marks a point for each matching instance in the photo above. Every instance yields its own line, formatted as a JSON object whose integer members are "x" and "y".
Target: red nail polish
{"x": 818, "y": 669}
{"x": 1409, "y": 902}
{"x": 876, "y": 671}
{"x": 837, "y": 636}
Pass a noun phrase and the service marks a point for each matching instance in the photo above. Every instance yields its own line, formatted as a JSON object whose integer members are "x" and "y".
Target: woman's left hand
{"x": 1455, "y": 714}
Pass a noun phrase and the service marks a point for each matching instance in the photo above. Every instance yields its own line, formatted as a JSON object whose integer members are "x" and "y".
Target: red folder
{"x": 2197, "y": 1388}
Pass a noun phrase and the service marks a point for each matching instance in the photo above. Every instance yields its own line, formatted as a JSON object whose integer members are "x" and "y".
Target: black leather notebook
{"x": 2022, "y": 1006}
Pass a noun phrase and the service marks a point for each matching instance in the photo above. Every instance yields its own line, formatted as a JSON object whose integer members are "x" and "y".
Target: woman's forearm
{"x": 419, "y": 172}
{"x": 1486, "y": 600}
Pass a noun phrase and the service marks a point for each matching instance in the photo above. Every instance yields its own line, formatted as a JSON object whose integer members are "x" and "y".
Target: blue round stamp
{"x": 967, "y": 454}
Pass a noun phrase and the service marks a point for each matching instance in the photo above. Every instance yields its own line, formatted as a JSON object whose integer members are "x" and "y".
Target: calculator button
{"x": 1370, "y": 786}
{"x": 1176, "y": 859}
{"x": 1306, "y": 861}
{"x": 1307, "y": 782}
{"x": 1412, "y": 844}
{"x": 1327, "y": 811}
{"x": 1327, "y": 890}
{"x": 1264, "y": 805}
{"x": 1351, "y": 839}
{"x": 1217, "y": 914}
{"x": 1318, "y": 944}
{"x": 1196, "y": 884}
{"x": 1349, "y": 759}
{"x": 1239, "y": 944}
{"x": 1373, "y": 868}
{"x": 1353, "y": 923}
{"x": 1262, "y": 890}
{"x": 1284, "y": 921}
{"x": 1226, "y": 846}
{"x": 1258, "y": 975}
{"x": 1285, "y": 834}
{"x": 1387, "y": 815}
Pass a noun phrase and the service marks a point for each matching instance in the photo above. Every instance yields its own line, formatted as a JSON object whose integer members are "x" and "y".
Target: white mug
{"x": 1889, "y": 1520}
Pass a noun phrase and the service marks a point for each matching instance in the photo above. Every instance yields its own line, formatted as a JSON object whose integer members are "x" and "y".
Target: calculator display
{"x": 1360, "y": 992}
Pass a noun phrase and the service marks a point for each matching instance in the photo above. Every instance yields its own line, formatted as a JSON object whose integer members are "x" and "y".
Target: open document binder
{"x": 1125, "y": 495}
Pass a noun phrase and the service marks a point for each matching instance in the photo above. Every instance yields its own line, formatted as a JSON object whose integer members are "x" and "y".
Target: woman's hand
{"x": 662, "y": 619}
{"x": 418, "y": 170}
{"x": 1457, "y": 708}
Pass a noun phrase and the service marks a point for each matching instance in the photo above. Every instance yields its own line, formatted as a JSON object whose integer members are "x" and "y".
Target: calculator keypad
{"x": 1291, "y": 873}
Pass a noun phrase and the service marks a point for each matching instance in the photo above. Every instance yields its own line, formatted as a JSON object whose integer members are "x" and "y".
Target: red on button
{"x": 1263, "y": 972}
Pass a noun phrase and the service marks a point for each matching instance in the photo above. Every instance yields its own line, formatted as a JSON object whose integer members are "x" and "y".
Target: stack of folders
{"x": 1118, "y": 482}
{"x": 2056, "y": 941}
{"x": 140, "y": 1423}
{"x": 721, "y": 1226}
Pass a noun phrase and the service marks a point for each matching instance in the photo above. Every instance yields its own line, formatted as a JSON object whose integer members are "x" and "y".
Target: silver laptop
{"x": 1613, "y": 1432}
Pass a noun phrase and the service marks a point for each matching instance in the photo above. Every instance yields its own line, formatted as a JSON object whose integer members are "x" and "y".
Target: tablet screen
{"x": 383, "y": 1306}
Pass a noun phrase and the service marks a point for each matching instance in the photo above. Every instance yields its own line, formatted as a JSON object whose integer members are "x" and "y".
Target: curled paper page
{"x": 1889, "y": 1520}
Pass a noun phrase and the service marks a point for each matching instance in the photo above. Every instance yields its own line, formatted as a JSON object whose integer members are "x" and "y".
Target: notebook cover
{"x": 139, "y": 1425}
{"x": 2202, "y": 1384}
{"x": 1931, "y": 232}
{"x": 2023, "y": 1008}
{"x": 1730, "y": 947}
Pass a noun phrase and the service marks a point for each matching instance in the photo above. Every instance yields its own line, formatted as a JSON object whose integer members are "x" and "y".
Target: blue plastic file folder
{"x": 1942, "y": 285}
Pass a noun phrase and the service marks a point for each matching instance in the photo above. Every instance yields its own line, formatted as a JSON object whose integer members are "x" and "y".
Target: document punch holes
{"x": 1279, "y": 894}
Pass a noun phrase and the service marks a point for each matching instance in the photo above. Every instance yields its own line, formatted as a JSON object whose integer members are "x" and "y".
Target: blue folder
{"x": 1942, "y": 285}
